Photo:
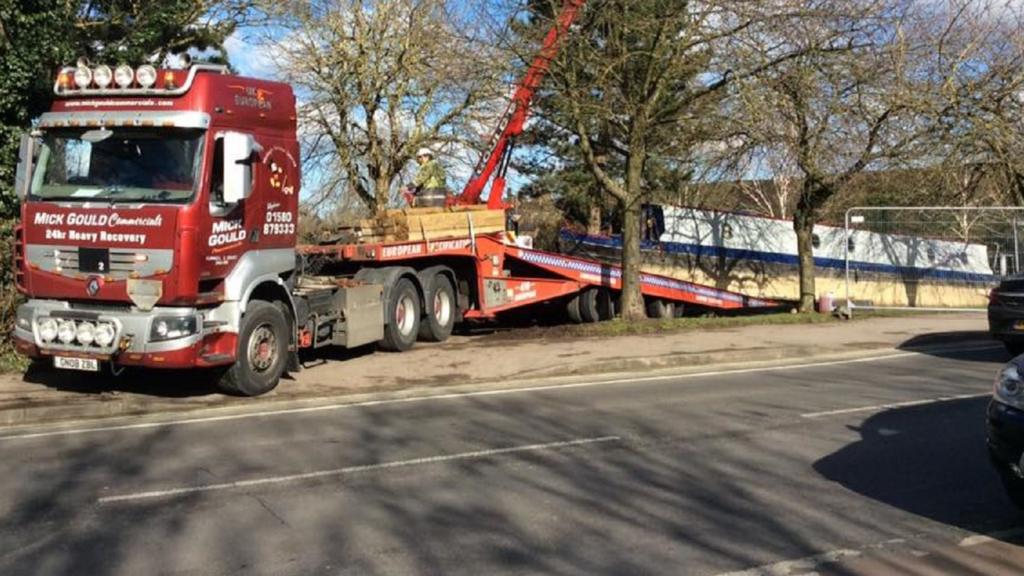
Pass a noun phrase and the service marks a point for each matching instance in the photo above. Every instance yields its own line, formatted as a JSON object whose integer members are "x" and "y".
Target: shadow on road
{"x": 944, "y": 344}
{"x": 928, "y": 460}
{"x": 696, "y": 484}
{"x": 161, "y": 383}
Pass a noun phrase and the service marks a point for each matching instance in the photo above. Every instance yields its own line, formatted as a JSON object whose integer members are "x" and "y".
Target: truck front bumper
{"x": 209, "y": 342}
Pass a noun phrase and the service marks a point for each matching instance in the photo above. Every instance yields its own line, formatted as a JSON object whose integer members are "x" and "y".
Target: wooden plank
{"x": 453, "y": 233}
{"x": 456, "y": 220}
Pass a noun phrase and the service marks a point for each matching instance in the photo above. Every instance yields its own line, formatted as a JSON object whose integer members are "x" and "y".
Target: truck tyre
{"x": 439, "y": 316}
{"x": 588, "y": 305}
{"x": 403, "y": 310}
{"x": 678, "y": 309}
{"x": 658, "y": 308}
{"x": 262, "y": 351}
{"x": 605, "y": 305}
{"x": 572, "y": 310}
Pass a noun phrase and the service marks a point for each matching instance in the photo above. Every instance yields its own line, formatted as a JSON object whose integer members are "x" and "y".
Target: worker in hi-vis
{"x": 430, "y": 186}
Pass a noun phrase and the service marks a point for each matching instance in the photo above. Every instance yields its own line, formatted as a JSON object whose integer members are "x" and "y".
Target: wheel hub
{"x": 263, "y": 348}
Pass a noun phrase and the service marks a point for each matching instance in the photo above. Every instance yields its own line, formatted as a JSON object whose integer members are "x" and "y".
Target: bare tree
{"x": 849, "y": 103}
{"x": 637, "y": 84}
{"x": 979, "y": 43}
{"x": 377, "y": 80}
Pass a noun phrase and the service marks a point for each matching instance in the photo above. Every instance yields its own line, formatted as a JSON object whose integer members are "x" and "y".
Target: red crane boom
{"x": 503, "y": 138}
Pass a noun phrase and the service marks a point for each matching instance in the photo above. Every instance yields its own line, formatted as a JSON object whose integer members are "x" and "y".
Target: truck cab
{"x": 156, "y": 206}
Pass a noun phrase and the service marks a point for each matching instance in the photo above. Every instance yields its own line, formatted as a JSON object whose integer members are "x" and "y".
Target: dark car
{"x": 1006, "y": 314}
{"x": 1005, "y": 435}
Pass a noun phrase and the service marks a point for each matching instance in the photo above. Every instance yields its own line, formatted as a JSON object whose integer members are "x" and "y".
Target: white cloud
{"x": 249, "y": 58}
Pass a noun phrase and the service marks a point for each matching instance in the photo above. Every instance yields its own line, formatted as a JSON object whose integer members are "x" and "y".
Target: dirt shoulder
{"x": 499, "y": 359}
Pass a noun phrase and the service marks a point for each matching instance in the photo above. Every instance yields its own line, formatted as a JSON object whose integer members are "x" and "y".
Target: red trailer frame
{"x": 541, "y": 277}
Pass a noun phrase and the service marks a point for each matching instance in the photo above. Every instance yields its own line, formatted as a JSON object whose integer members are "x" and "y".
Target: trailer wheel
{"x": 660, "y": 309}
{"x": 262, "y": 351}
{"x": 572, "y": 309}
{"x": 403, "y": 309}
{"x": 588, "y": 305}
{"x": 439, "y": 316}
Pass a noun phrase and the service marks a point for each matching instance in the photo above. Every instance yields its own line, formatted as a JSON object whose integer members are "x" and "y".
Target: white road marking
{"x": 458, "y": 395}
{"x": 977, "y": 539}
{"x": 880, "y": 407}
{"x": 807, "y": 565}
{"x": 798, "y": 566}
{"x": 351, "y": 470}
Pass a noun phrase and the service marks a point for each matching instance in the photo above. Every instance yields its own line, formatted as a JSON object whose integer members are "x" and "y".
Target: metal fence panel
{"x": 929, "y": 257}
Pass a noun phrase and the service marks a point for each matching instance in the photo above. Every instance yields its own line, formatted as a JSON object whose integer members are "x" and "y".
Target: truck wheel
{"x": 588, "y": 305}
{"x": 262, "y": 351}
{"x": 678, "y": 309}
{"x": 403, "y": 309}
{"x": 605, "y": 305}
{"x": 439, "y": 317}
{"x": 572, "y": 309}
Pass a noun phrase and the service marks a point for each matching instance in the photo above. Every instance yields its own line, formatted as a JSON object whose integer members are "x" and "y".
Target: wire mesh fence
{"x": 929, "y": 257}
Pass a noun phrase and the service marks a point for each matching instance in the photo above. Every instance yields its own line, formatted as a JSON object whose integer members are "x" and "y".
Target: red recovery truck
{"x": 158, "y": 229}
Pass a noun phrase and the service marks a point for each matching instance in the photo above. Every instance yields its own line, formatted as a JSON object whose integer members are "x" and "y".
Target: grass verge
{"x": 11, "y": 361}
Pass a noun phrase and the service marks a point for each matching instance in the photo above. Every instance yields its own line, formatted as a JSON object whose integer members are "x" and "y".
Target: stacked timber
{"x": 411, "y": 224}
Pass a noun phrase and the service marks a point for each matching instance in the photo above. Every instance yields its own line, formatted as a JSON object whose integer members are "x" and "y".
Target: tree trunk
{"x": 803, "y": 224}
{"x": 632, "y": 302}
{"x": 381, "y": 192}
{"x": 594, "y": 222}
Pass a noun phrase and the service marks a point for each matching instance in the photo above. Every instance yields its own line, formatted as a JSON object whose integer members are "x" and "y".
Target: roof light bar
{"x": 124, "y": 80}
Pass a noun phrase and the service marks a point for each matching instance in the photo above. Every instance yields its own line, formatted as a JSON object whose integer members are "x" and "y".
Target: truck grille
{"x": 121, "y": 261}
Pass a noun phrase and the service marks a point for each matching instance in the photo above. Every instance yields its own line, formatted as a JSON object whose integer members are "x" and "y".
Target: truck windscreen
{"x": 118, "y": 165}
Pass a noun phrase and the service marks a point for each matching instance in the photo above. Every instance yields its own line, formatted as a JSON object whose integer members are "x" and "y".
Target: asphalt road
{"x": 705, "y": 475}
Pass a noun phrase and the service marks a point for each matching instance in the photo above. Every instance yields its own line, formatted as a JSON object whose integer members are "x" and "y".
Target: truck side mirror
{"x": 238, "y": 152}
{"x": 26, "y": 160}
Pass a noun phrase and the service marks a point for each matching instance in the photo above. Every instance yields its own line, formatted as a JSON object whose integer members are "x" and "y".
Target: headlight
{"x": 47, "y": 329}
{"x": 124, "y": 75}
{"x": 66, "y": 331}
{"x": 146, "y": 75}
{"x": 1008, "y": 387}
{"x": 104, "y": 335}
{"x": 83, "y": 77}
{"x": 86, "y": 333}
{"x": 171, "y": 327}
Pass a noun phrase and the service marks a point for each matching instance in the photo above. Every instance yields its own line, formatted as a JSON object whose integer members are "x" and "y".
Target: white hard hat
{"x": 424, "y": 152}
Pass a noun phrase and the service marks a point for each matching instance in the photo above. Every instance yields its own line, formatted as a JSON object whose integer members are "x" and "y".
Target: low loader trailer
{"x": 159, "y": 229}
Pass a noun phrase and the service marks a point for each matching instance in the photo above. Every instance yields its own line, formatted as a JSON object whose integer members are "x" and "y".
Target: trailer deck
{"x": 510, "y": 276}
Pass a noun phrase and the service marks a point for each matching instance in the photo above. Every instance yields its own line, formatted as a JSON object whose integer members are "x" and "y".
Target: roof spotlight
{"x": 83, "y": 77}
{"x": 102, "y": 76}
{"x": 124, "y": 75}
{"x": 146, "y": 76}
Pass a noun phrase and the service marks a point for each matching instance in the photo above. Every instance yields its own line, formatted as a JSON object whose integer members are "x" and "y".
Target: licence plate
{"x": 85, "y": 364}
